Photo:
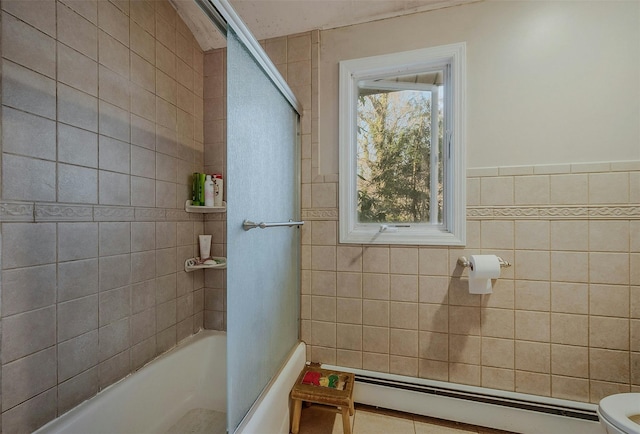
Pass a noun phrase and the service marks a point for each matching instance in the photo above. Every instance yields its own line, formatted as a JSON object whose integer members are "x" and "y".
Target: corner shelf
{"x": 188, "y": 207}
{"x": 190, "y": 264}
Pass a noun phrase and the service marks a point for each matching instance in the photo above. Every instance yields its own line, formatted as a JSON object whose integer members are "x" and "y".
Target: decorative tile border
{"x": 62, "y": 213}
{"x": 16, "y": 212}
{"x": 582, "y": 212}
{"x": 320, "y": 214}
{"x": 591, "y": 212}
{"x": 31, "y": 212}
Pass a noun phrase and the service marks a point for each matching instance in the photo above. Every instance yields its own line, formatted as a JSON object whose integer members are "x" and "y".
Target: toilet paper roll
{"x": 483, "y": 269}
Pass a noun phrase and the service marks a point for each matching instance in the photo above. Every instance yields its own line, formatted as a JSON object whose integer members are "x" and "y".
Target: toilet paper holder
{"x": 464, "y": 262}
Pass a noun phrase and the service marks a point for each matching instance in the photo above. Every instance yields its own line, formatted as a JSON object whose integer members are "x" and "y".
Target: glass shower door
{"x": 263, "y": 264}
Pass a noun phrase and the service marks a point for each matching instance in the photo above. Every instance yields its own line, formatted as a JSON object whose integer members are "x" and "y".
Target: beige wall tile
{"x": 609, "y": 236}
{"x": 375, "y": 313}
{"x": 349, "y": 359}
{"x": 497, "y": 234}
{"x": 497, "y": 191}
{"x": 533, "y": 356}
{"x": 433, "y": 289}
{"x": 608, "y": 188}
{"x": 375, "y": 260}
{"x": 323, "y": 334}
{"x": 532, "y": 326}
{"x": 433, "y": 369}
{"x": 498, "y": 323}
{"x": 349, "y": 284}
{"x": 569, "y": 267}
{"x": 532, "y": 235}
{"x": 532, "y": 265}
{"x": 570, "y": 329}
{"x": 601, "y": 389}
{"x": 532, "y": 190}
{"x": 349, "y": 337}
{"x": 324, "y": 195}
{"x": 499, "y": 353}
{"x": 349, "y": 310}
{"x": 433, "y": 261}
{"x": 433, "y": 317}
{"x": 569, "y": 189}
{"x": 375, "y": 286}
{"x": 609, "y": 300}
{"x": 533, "y": 383}
{"x": 402, "y": 365}
{"x": 609, "y": 365}
{"x": 323, "y": 258}
{"x": 375, "y": 339}
{"x": 404, "y": 288}
{"x": 433, "y": 346}
{"x": 532, "y": 295}
{"x": 464, "y": 349}
{"x": 464, "y": 320}
{"x": 324, "y": 233}
{"x": 403, "y": 343}
{"x": 498, "y": 378}
{"x": 569, "y": 235}
{"x": 570, "y": 361}
{"x": 611, "y": 333}
{"x": 403, "y": 315}
{"x": 375, "y": 362}
{"x": 570, "y": 388}
{"x": 323, "y": 283}
{"x": 464, "y": 374}
{"x": 403, "y": 260}
{"x": 609, "y": 268}
{"x": 569, "y": 297}
{"x": 113, "y": 21}
{"x": 323, "y": 308}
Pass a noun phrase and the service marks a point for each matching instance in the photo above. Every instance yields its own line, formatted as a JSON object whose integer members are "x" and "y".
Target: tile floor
{"x": 318, "y": 419}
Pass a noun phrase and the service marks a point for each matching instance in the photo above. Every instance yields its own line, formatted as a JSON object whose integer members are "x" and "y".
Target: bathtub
{"x": 188, "y": 381}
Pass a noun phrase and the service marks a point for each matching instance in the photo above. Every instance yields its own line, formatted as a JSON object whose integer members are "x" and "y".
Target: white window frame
{"x": 452, "y": 232}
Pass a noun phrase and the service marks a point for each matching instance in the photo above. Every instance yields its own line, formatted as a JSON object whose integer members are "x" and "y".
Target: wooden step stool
{"x": 323, "y": 395}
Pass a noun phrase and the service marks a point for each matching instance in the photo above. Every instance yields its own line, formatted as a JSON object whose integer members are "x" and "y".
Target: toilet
{"x": 620, "y": 413}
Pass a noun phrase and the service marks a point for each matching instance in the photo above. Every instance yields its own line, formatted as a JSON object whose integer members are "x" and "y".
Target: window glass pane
{"x": 399, "y": 149}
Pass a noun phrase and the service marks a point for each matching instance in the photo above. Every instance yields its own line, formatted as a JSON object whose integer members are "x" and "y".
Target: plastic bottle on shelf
{"x": 219, "y": 189}
{"x": 208, "y": 191}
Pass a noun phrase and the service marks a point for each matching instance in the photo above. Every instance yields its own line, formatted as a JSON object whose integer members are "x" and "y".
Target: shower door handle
{"x": 248, "y": 224}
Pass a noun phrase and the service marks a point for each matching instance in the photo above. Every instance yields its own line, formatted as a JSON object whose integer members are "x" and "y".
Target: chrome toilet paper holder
{"x": 464, "y": 262}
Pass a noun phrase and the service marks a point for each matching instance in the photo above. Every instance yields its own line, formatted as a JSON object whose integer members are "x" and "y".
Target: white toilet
{"x": 620, "y": 413}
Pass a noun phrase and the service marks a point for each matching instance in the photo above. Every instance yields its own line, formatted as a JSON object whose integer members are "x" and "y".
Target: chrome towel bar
{"x": 248, "y": 224}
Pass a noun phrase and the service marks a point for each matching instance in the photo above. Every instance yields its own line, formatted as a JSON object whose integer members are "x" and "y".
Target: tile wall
{"x": 563, "y": 321}
{"x": 102, "y": 125}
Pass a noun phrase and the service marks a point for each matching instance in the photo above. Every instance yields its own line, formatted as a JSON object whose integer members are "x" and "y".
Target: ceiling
{"x": 272, "y": 18}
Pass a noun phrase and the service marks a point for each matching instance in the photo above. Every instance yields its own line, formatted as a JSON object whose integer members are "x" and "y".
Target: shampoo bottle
{"x": 208, "y": 191}
{"x": 219, "y": 189}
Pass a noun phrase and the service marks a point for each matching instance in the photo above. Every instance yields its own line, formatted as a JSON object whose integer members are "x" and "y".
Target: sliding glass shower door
{"x": 263, "y": 264}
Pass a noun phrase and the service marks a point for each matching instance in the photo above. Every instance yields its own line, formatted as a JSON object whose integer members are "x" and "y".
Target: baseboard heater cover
{"x": 511, "y": 411}
{"x": 558, "y": 410}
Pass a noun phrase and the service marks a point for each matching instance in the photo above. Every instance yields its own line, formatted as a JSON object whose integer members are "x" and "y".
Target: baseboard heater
{"x": 512, "y": 411}
{"x": 484, "y": 398}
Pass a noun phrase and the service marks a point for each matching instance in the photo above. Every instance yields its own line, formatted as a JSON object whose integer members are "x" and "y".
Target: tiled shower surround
{"x": 102, "y": 125}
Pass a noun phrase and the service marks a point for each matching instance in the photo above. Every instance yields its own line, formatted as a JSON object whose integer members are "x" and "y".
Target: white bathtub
{"x": 192, "y": 376}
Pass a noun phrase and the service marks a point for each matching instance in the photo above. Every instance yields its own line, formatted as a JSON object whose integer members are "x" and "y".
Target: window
{"x": 402, "y": 160}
